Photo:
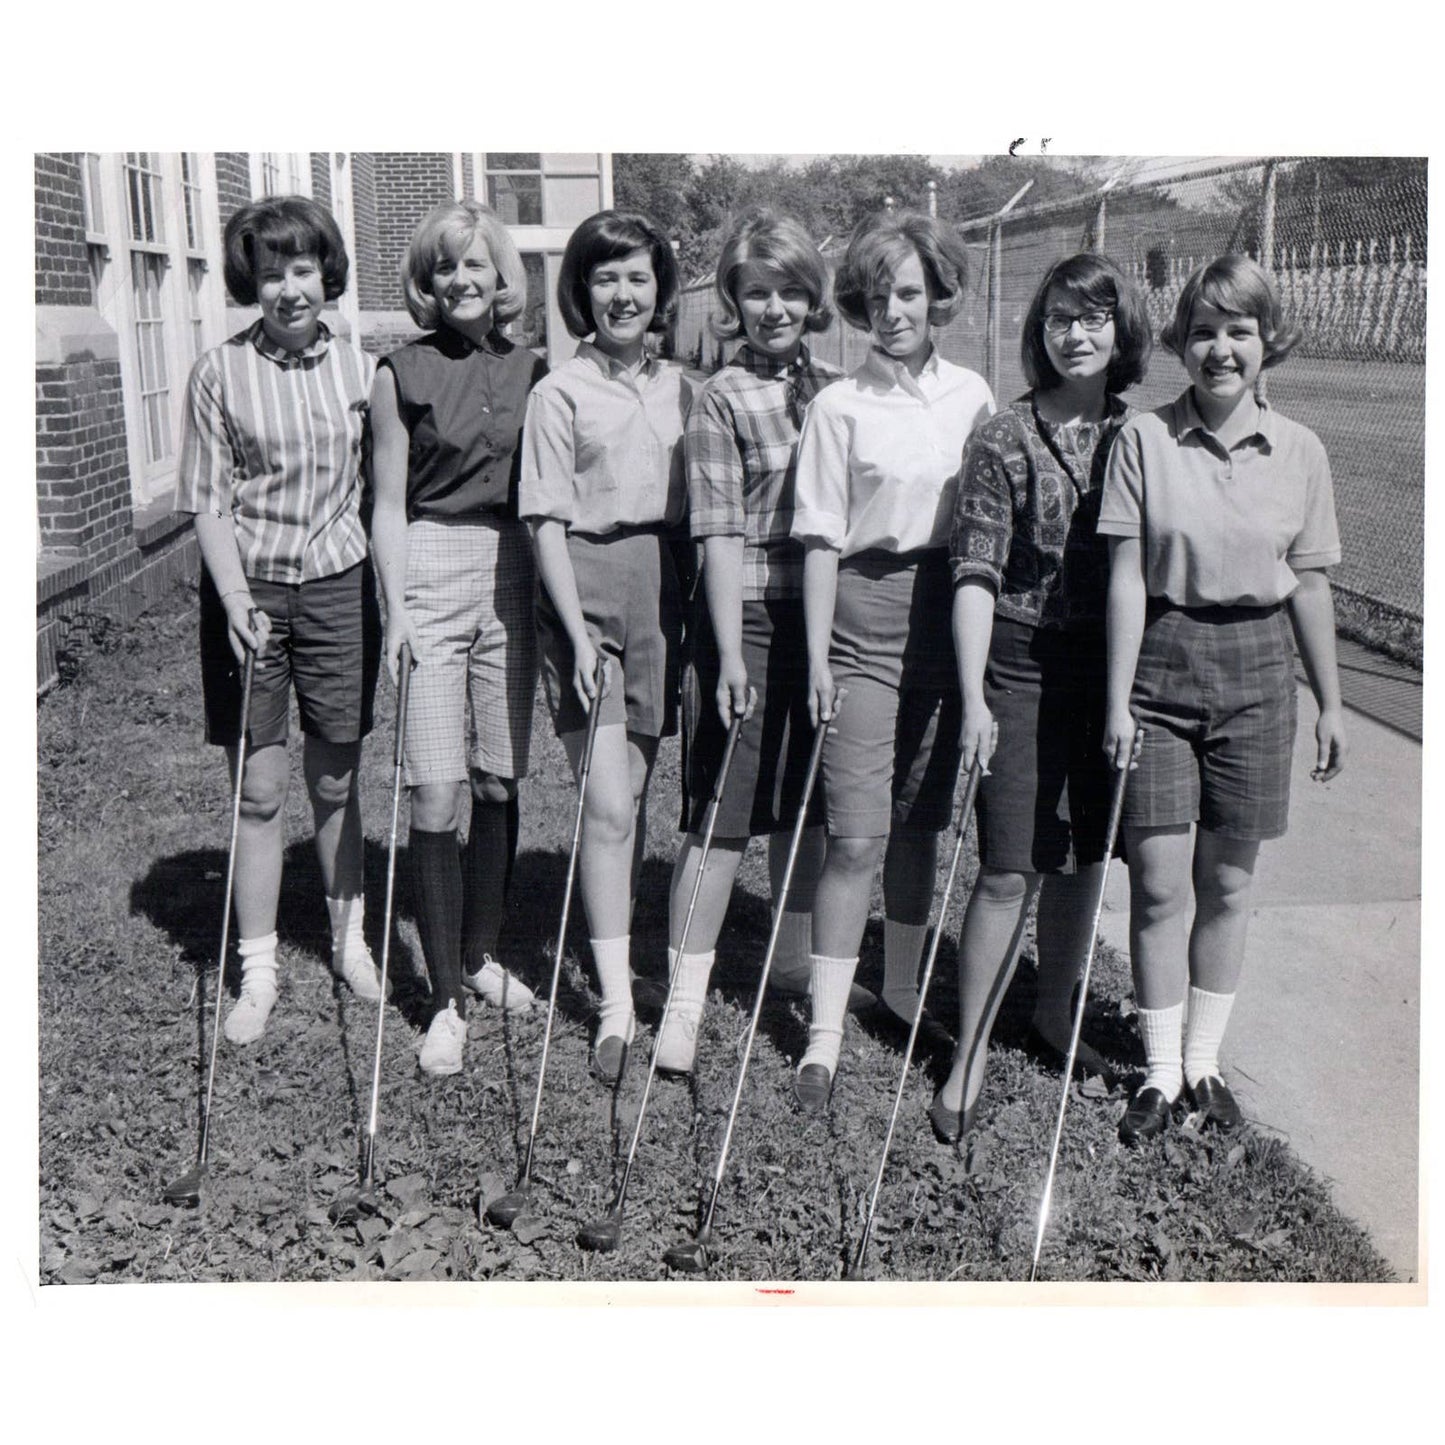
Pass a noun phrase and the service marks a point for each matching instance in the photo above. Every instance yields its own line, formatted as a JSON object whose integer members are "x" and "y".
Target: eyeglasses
{"x": 1057, "y": 323}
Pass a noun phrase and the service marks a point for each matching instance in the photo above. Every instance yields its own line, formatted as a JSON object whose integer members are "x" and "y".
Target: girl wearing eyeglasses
{"x": 1030, "y": 578}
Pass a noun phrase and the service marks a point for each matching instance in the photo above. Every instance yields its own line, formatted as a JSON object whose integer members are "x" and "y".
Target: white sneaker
{"x": 247, "y": 1020}
{"x": 441, "y": 1050}
{"x": 358, "y": 971}
{"x": 677, "y": 1044}
{"x": 498, "y": 987}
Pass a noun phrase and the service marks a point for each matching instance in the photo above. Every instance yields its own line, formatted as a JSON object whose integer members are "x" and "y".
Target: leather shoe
{"x": 950, "y": 1125}
{"x": 1213, "y": 1099}
{"x": 813, "y": 1087}
{"x": 1146, "y": 1117}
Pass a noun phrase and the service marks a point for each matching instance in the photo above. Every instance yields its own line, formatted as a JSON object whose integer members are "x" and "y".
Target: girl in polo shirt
{"x": 271, "y": 469}
{"x": 749, "y": 649}
{"x": 878, "y": 465}
{"x": 456, "y": 571}
{"x": 1221, "y": 522}
{"x": 1030, "y": 576}
{"x": 603, "y": 491}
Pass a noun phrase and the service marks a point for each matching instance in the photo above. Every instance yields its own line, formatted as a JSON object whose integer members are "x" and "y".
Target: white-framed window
{"x": 280, "y": 173}
{"x": 547, "y": 189}
{"x": 191, "y": 193}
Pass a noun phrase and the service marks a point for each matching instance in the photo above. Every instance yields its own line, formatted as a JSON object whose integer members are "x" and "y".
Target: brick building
{"x": 129, "y": 291}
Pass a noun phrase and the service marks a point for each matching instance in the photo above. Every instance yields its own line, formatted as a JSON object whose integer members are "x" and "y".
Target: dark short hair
{"x": 876, "y": 248}
{"x": 290, "y": 226}
{"x": 1239, "y": 286}
{"x": 608, "y": 236}
{"x": 766, "y": 238}
{"x": 1090, "y": 279}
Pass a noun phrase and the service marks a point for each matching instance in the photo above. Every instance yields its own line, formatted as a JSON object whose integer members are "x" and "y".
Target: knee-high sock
{"x": 437, "y": 882}
{"x": 902, "y": 950}
{"x": 486, "y": 862}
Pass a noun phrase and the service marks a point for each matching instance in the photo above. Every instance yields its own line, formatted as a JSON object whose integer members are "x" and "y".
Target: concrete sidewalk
{"x": 1324, "y": 1042}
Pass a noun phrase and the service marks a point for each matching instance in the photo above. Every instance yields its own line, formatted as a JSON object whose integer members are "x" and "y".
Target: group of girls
{"x": 1052, "y": 592}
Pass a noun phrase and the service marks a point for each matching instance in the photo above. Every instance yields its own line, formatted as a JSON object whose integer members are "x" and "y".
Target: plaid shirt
{"x": 1027, "y": 513}
{"x": 274, "y": 438}
{"x": 742, "y": 453}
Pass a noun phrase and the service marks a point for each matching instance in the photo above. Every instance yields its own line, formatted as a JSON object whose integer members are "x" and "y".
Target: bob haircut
{"x": 1090, "y": 279}
{"x": 880, "y": 244}
{"x": 1238, "y": 286}
{"x": 448, "y": 231}
{"x": 763, "y": 237}
{"x": 608, "y": 236}
{"x": 290, "y": 226}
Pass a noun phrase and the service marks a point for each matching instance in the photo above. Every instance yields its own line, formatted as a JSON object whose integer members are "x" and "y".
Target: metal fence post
{"x": 995, "y": 264}
{"x": 1266, "y": 247}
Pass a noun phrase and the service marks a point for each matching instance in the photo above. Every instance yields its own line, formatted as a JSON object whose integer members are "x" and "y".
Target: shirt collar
{"x": 272, "y": 352}
{"x": 758, "y": 363}
{"x": 896, "y": 373}
{"x": 455, "y": 344}
{"x": 612, "y": 368}
{"x": 1188, "y": 420}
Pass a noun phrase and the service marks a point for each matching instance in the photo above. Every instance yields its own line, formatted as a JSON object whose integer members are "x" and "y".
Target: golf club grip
{"x": 735, "y": 728}
{"x": 594, "y": 715}
{"x": 405, "y": 664}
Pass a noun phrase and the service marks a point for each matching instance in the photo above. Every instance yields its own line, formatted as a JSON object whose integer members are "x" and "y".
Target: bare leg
{"x": 330, "y": 770}
{"x": 260, "y": 838}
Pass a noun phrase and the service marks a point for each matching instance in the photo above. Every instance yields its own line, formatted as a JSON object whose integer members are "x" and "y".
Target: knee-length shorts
{"x": 1215, "y": 692}
{"x": 469, "y": 591}
{"x": 892, "y": 758}
{"x": 627, "y": 584}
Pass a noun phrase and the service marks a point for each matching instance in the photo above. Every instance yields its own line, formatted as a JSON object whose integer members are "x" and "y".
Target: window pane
{"x": 517, "y": 199}
{"x": 94, "y": 207}
{"x": 571, "y": 199}
{"x": 587, "y": 162}
{"x": 513, "y": 161}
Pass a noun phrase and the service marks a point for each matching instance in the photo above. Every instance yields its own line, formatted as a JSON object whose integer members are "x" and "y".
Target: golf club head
{"x": 689, "y": 1257}
{"x": 186, "y": 1189}
{"x": 349, "y": 1207}
{"x": 602, "y": 1236}
{"x": 505, "y": 1208}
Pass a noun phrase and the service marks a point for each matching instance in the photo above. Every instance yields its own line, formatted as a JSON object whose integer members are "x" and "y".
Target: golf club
{"x": 506, "y": 1207}
{"x": 186, "y": 1190}
{"x": 965, "y": 812}
{"x": 605, "y": 1234}
{"x": 1116, "y": 808}
{"x": 348, "y": 1207}
{"x": 692, "y": 1256}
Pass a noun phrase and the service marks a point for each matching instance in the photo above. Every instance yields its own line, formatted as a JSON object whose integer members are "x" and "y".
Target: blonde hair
{"x": 448, "y": 230}
{"x": 766, "y": 238}
{"x": 880, "y": 244}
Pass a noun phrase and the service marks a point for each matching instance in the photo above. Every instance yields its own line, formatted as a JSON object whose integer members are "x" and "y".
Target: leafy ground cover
{"x": 133, "y": 819}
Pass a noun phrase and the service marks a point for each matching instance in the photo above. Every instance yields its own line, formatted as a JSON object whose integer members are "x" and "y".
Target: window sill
{"x": 157, "y": 521}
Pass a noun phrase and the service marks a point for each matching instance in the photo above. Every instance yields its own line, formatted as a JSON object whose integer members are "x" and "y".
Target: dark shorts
{"x": 1043, "y": 806}
{"x": 1215, "y": 691}
{"x": 892, "y": 757}
{"x": 325, "y": 641}
{"x": 770, "y": 764}
{"x": 628, "y": 587}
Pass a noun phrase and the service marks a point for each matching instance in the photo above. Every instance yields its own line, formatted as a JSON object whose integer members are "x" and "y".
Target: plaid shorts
{"x": 469, "y": 585}
{"x": 1215, "y": 692}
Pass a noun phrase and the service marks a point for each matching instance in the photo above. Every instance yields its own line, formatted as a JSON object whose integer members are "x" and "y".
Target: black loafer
{"x": 932, "y": 1036}
{"x": 1146, "y": 1117}
{"x": 813, "y": 1087}
{"x": 1087, "y": 1060}
{"x": 950, "y": 1125}
{"x": 1213, "y": 1099}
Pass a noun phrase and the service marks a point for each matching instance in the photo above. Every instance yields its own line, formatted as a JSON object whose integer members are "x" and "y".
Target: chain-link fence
{"x": 1346, "y": 241}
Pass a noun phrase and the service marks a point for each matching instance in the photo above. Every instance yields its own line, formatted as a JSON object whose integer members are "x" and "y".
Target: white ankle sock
{"x": 692, "y": 970}
{"x": 1208, "y": 1018}
{"x": 832, "y": 979}
{"x": 610, "y": 955}
{"x": 1161, "y": 1030}
{"x": 795, "y": 946}
{"x": 346, "y": 919}
{"x": 902, "y": 950}
{"x": 258, "y": 964}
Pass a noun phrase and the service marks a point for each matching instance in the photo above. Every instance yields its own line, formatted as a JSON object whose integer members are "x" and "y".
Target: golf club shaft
{"x": 403, "y": 694}
{"x": 965, "y": 813}
{"x": 594, "y": 714}
{"x": 815, "y": 759}
{"x": 1116, "y": 809}
{"x": 248, "y": 673}
{"x": 709, "y": 823}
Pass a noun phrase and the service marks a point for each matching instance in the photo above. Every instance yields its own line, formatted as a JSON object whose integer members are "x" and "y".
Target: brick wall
{"x": 370, "y": 287}
{"x": 62, "y": 264}
{"x": 81, "y": 473}
{"x": 233, "y": 183}
{"x": 407, "y": 185}
{"x": 321, "y": 177}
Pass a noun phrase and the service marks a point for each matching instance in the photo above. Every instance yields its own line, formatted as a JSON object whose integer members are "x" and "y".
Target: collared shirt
{"x": 602, "y": 445}
{"x": 1027, "y": 509}
{"x": 462, "y": 406}
{"x": 880, "y": 454}
{"x": 274, "y": 438}
{"x": 1222, "y": 524}
{"x": 742, "y": 452}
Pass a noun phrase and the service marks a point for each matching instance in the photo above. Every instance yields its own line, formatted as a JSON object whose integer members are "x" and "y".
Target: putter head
{"x": 690, "y": 1257}
{"x": 349, "y": 1207}
{"x": 602, "y": 1236}
{"x": 186, "y": 1189}
{"x": 505, "y": 1208}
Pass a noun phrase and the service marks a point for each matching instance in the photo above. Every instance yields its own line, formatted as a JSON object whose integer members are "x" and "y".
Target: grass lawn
{"x": 133, "y": 822}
